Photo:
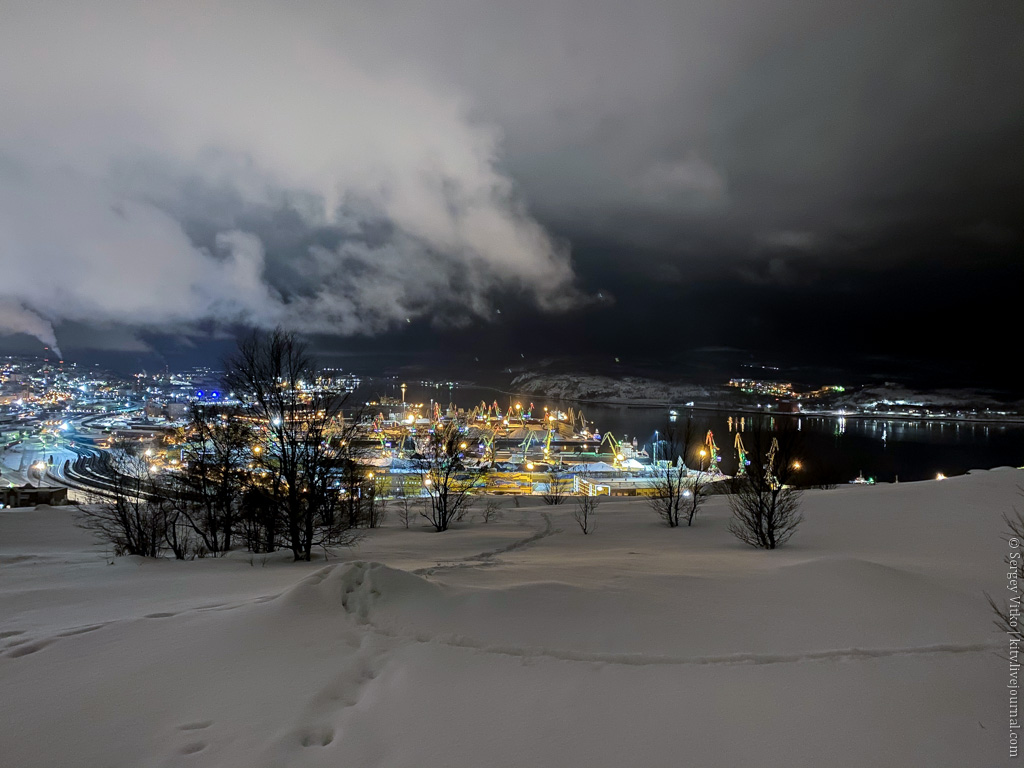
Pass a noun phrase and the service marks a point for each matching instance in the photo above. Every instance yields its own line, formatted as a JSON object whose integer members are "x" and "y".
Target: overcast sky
{"x": 564, "y": 175}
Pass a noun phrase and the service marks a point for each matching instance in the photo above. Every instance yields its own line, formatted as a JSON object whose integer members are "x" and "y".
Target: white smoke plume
{"x": 17, "y": 319}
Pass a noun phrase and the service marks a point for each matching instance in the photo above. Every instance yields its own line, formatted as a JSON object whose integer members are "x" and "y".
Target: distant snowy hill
{"x": 895, "y": 395}
{"x": 627, "y": 389}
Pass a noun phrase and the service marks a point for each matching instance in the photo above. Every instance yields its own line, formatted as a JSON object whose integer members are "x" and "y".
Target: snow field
{"x": 866, "y": 641}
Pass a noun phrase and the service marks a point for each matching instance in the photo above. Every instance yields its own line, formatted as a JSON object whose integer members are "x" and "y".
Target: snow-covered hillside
{"x": 865, "y": 642}
{"x": 606, "y": 389}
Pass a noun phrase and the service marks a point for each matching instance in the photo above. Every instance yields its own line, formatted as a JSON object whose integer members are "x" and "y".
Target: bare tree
{"x": 448, "y": 483}
{"x": 584, "y": 511}
{"x": 374, "y": 502}
{"x": 406, "y": 505}
{"x": 491, "y": 510}
{"x": 765, "y": 505}
{"x": 126, "y": 513}
{"x": 208, "y": 490}
{"x": 558, "y": 488}
{"x": 301, "y": 435}
{"x": 678, "y": 491}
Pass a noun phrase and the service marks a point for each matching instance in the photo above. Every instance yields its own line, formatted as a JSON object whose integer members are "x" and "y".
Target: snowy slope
{"x": 606, "y": 389}
{"x": 524, "y": 643}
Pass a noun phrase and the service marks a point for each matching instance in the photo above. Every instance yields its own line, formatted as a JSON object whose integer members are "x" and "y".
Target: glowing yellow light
{"x": 940, "y": 476}
{"x": 703, "y": 452}
{"x": 797, "y": 465}
{"x": 530, "y": 466}
{"x": 519, "y": 406}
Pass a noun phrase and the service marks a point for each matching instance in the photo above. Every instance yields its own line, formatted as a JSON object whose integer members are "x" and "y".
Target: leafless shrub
{"x": 679, "y": 491}
{"x": 584, "y": 511}
{"x": 559, "y": 488}
{"x": 126, "y": 514}
{"x": 406, "y": 506}
{"x": 765, "y": 506}
{"x": 491, "y": 510}
{"x": 448, "y": 483}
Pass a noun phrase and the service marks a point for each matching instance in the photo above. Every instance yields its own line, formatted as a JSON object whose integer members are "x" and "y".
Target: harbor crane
{"x": 741, "y": 452}
{"x": 712, "y": 451}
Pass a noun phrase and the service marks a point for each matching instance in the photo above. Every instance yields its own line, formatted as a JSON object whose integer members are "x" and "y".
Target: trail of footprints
{"x": 195, "y": 746}
{"x": 17, "y": 646}
{"x": 360, "y": 659}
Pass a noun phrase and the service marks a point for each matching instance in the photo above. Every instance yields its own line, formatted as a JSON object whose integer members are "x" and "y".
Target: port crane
{"x": 769, "y": 470}
{"x": 525, "y": 445}
{"x": 712, "y": 451}
{"x": 577, "y": 422}
{"x": 741, "y": 452}
{"x": 488, "y": 442}
{"x": 547, "y": 442}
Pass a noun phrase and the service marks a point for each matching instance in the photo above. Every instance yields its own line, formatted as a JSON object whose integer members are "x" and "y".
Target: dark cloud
{"x": 408, "y": 170}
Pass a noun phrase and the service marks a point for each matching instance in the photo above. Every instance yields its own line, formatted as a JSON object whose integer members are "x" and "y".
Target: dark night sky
{"x": 682, "y": 185}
